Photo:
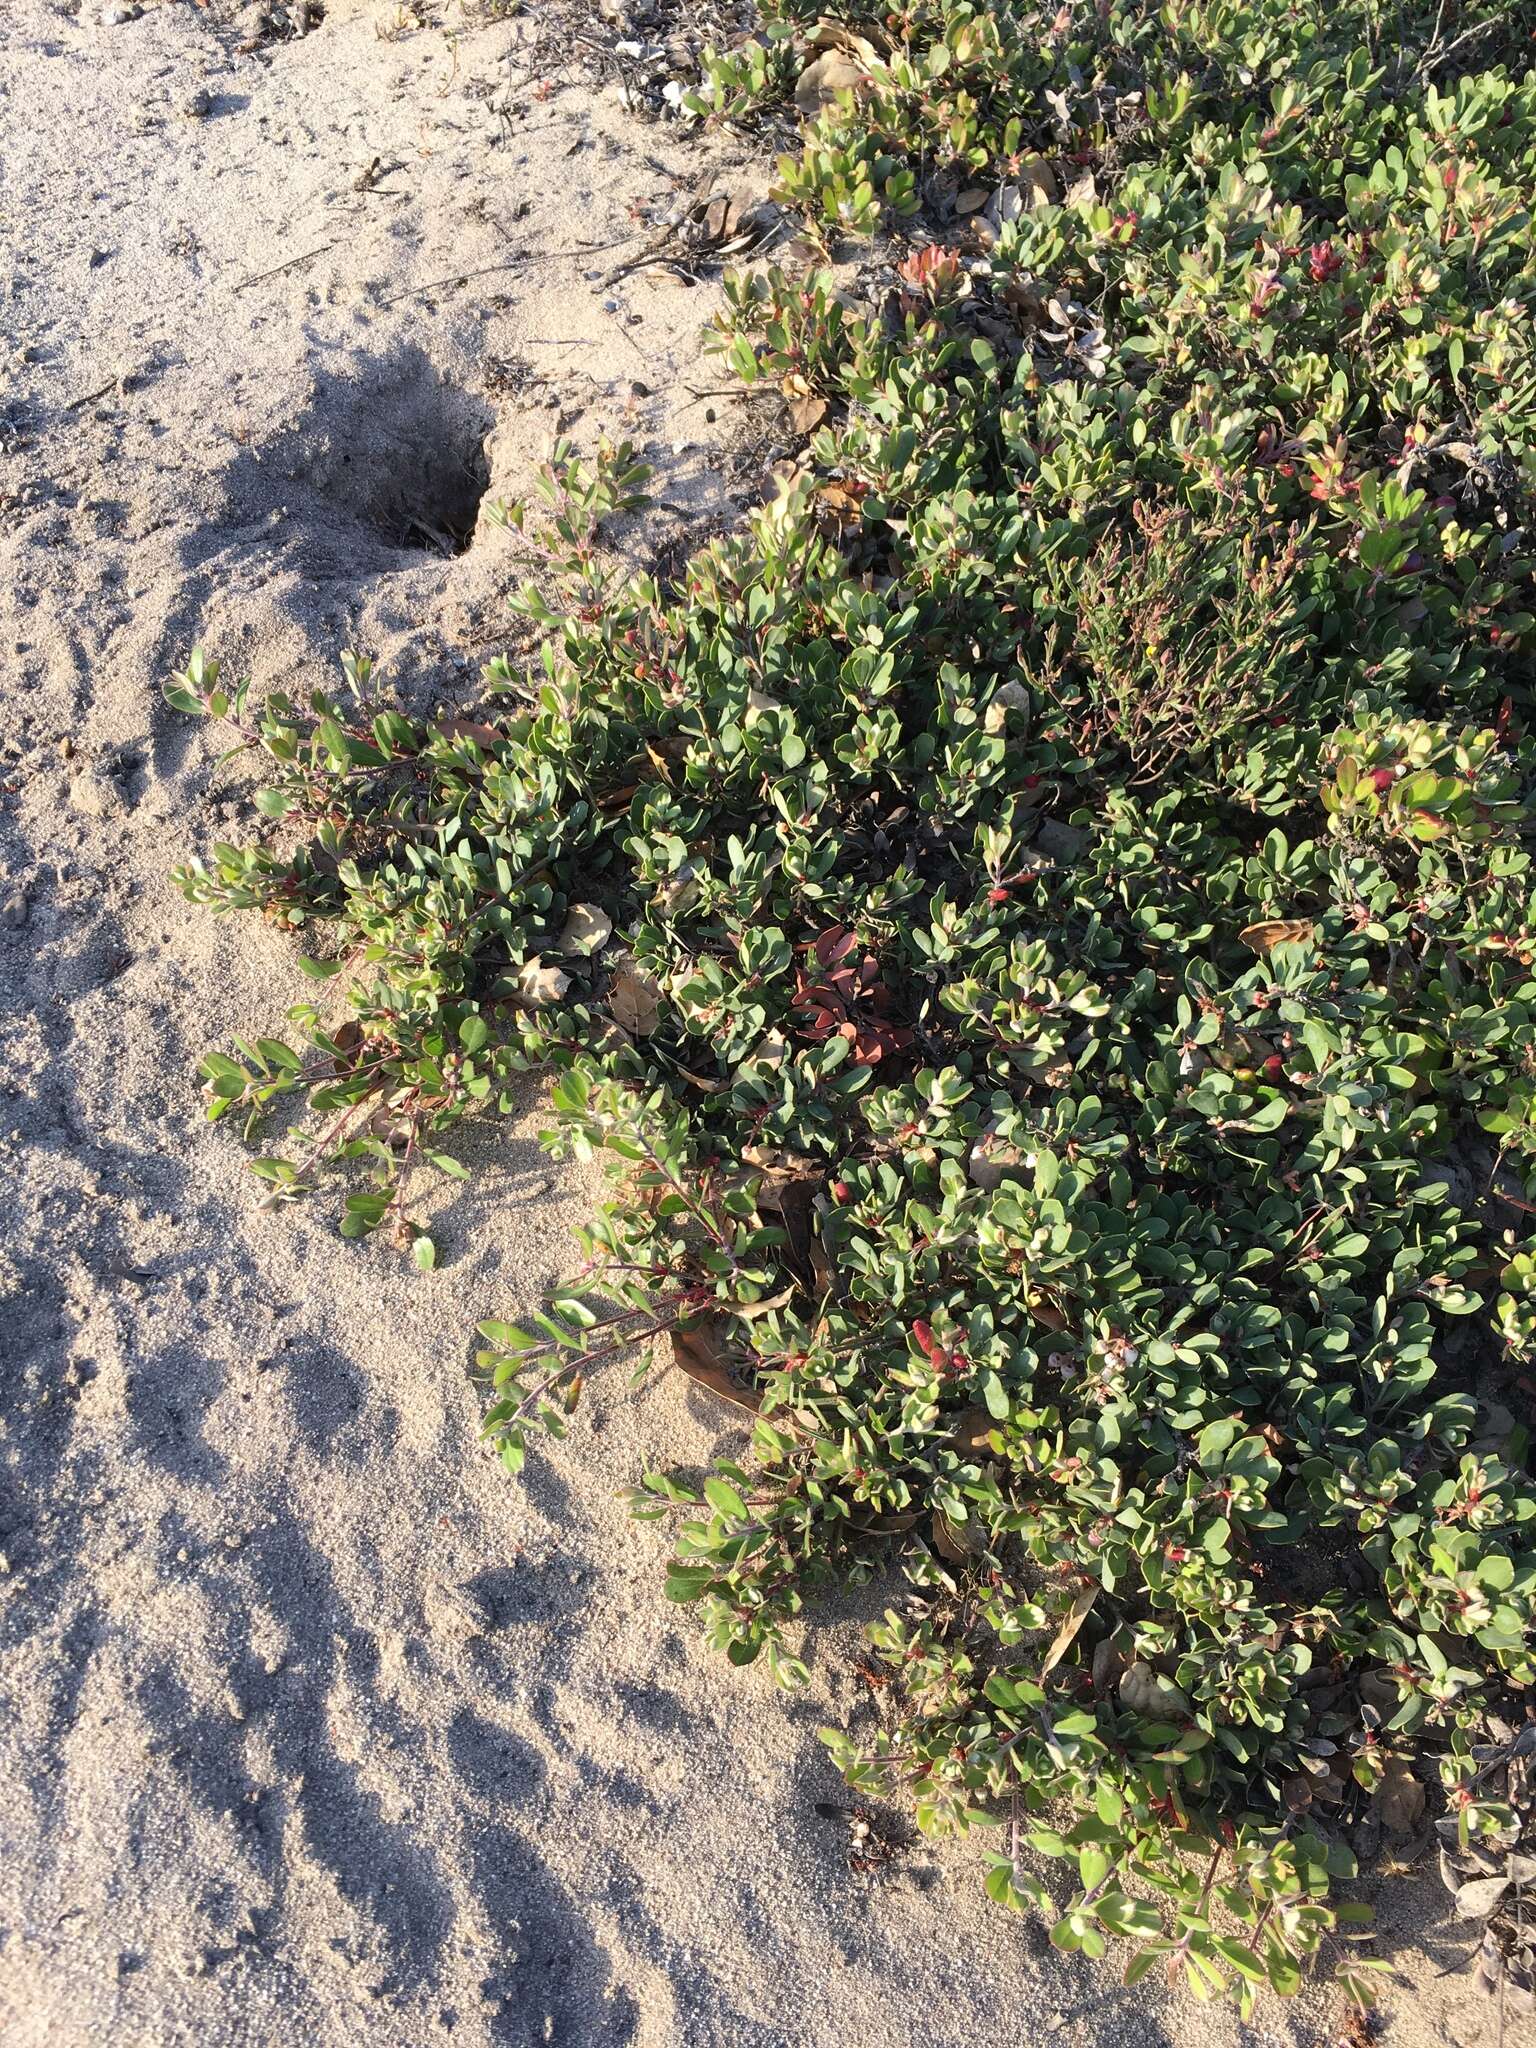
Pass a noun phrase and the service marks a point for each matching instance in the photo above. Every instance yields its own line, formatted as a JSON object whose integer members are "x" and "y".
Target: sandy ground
{"x": 313, "y": 1725}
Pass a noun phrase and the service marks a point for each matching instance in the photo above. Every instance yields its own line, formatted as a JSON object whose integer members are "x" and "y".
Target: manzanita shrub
{"x": 1040, "y": 925}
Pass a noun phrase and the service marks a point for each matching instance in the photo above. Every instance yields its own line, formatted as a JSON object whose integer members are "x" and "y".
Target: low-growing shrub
{"x": 1039, "y": 925}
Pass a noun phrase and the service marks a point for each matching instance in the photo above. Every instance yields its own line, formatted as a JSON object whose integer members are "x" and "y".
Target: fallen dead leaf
{"x": 699, "y": 1353}
{"x": 822, "y": 80}
{"x": 1038, "y": 182}
{"x": 1066, "y": 1635}
{"x": 539, "y": 985}
{"x": 1399, "y": 1797}
{"x": 1109, "y": 1662}
{"x": 973, "y": 1429}
{"x": 706, "y": 1083}
{"x": 888, "y": 1525}
{"x": 470, "y": 729}
{"x": 1270, "y": 932}
{"x": 1475, "y": 1901}
{"x": 1145, "y": 1691}
{"x": 776, "y": 1160}
{"x": 587, "y": 929}
{"x": 806, "y": 414}
{"x": 634, "y": 998}
{"x": 1011, "y": 697}
{"x": 948, "y": 1541}
{"x": 837, "y": 35}
{"x": 749, "y": 1311}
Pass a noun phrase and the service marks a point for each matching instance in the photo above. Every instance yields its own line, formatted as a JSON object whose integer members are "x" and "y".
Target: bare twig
{"x": 277, "y": 271}
{"x": 454, "y": 277}
{"x": 90, "y": 397}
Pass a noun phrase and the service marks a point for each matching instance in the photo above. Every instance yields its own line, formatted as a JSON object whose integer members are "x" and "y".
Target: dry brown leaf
{"x": 972, "y": 199}
{"x": 947, "y": 1540}
{"x": 824, "y": 1278}
{"x": 972, "y": 1433}
{"x": 587, "y": 929}
{"x": 1048, "y": 1313}
{"x": 1270, "y": 932}
{"x": 841, "y": 509}
{"x": 470, "y": 729}
{"x": 1109, "y": 1661}
{"x": 1475, "y": 1901}
{"x": 888, "y": 1525}
{"x": 699, "y": 1352}
{"x": 806, "y": 414}
{"x": 1037, "y": 182}
{"x": 1066, "y": 1635}
{"x": 1399, "y": 1797}
{"x": 538, "y": 984}
{"x": 1145, "y": 1691}
{"x": 748, "y": 1311}
{"x": 837, "y": 35}
{"x": 634, "y": 998}
{"x": 823, "y": 79}
{"x": 1011, "y": 697}
{"x": 775, "y": 1159}
{"x": 1296, "y": 1790}
{"x": 707, "y": 1084}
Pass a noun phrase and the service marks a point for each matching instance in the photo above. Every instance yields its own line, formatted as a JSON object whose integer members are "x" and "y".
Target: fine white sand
{"x": 314, "y": 1727}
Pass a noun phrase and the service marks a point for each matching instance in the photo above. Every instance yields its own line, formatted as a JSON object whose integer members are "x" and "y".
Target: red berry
{"x": 1382, "y": 780}
{"x": 841, "y": 1191}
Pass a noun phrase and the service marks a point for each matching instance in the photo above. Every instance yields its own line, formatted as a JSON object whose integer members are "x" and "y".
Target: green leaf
{"x": 724, "y": 1499}
{"x": 687, "y": 1582}
{"x": 995, "y": 1395}
{"x": 1125, "y": 1916}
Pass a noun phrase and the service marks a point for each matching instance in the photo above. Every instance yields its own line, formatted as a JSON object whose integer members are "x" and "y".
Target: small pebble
{"x": 14, "y": 909}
